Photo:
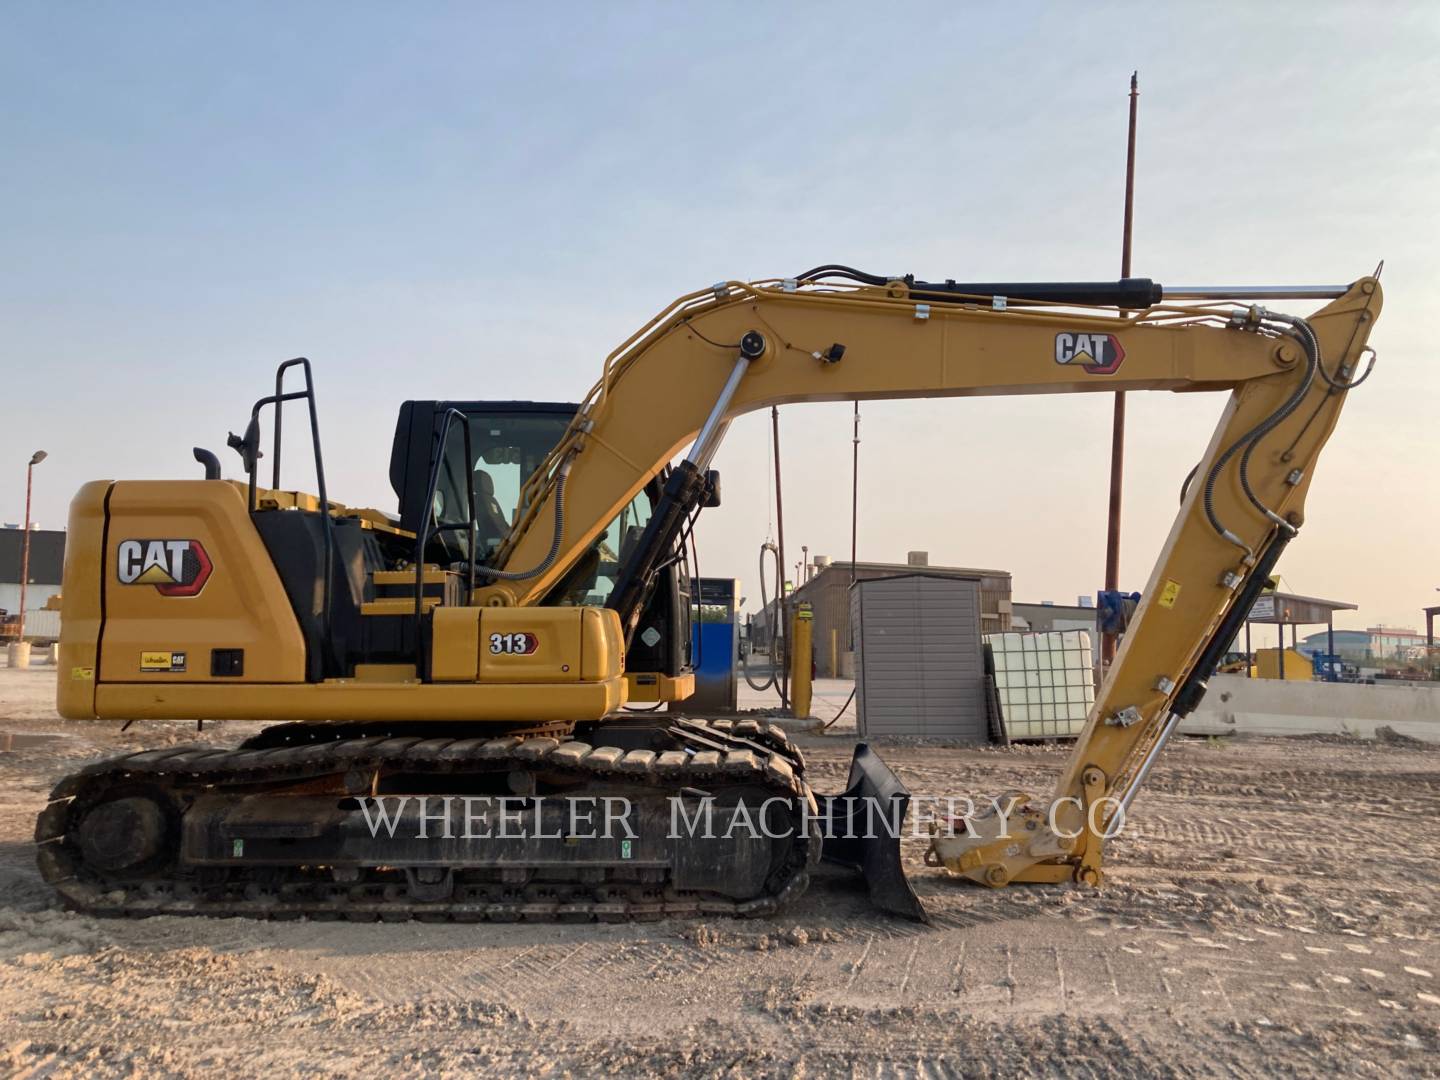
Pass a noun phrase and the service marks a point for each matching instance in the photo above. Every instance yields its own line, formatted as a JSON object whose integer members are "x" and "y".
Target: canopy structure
{"x": 1284, "y": 609}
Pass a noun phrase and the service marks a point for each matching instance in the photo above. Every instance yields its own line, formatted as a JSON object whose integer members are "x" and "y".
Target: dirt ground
{"x": 1271, "y": 910}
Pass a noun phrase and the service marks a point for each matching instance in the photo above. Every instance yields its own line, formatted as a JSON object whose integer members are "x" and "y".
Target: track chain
{"x": 747, "y": 752}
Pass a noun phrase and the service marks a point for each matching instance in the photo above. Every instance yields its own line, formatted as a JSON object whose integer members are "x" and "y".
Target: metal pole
{"x": 780, "y": 552}
{"x": 854, "y": 492}
{"x": 702, "y": 450}
{"x": 1248, "y": 652}
{"x": 1254, "y": 292}
{"x": 1117, "y": 424}
{"x": 25, "y": 549}
{"x": 1172, "y": 721}
{"x": 1129, "y": 177}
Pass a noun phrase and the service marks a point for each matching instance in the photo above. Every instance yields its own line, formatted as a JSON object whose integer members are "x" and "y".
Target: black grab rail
{"x": 249, "y": 447}
{"x": 429, "y": 527}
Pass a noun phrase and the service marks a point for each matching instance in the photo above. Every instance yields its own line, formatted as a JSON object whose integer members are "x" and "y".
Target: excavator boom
{"x": 835, "y": 334}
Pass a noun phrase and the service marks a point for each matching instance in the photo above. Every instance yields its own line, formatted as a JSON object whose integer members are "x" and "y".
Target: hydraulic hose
{"x": 773, "y": 622}
{"x": 1331, "y": 382}
{"x": 1302, "y": 332}
{"x": 1189, "y": 479}
{"x": 1247, "y": 442}
{"x": 832, "y": 721}
{"x": 1132, "y": 293}
{"x": 1313, "y": 362}
{"x": 1305, "y": 334}
{"x": 562, "y": 475}
{"x": 764, "y": 607}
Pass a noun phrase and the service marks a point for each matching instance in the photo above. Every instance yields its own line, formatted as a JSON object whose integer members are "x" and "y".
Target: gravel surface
{"x": 1270, "y": 910}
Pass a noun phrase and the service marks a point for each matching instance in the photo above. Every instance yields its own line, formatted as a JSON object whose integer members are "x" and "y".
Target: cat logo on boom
{"x": 1099, "y": 354}
{"x": 174, "y": 567}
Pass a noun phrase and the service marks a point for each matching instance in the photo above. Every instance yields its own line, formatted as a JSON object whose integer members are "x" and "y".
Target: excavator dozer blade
{"x": 863, "y": 825}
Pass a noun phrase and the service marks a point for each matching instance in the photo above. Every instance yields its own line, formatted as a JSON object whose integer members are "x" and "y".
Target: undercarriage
{"x": 677, "y": 818}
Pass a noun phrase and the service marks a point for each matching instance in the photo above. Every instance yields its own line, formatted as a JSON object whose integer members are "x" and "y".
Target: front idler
{"x": 124, "y": 835}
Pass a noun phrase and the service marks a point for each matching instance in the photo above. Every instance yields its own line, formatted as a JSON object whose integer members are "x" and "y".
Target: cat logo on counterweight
{"x": 174, "y": 567}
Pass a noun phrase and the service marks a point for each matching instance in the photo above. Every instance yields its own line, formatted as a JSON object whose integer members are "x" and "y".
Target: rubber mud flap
{"x": 868, "y": 840}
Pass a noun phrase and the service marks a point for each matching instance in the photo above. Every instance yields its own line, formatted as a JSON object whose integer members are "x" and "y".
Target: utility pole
{"x": 782, "y": 602}
{"x": 855, "y": 492}
{"x": 779, "y": 501}
{"x": 1117, "y": 428}
{"x": 35, "y": 459}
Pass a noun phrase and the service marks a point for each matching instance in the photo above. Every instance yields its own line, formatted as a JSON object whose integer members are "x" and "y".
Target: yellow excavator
{"x": 475, "y": 659}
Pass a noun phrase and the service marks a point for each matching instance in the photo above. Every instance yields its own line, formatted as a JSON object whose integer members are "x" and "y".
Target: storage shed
{"x": 919, "y": 664}
{"x": 828, "y": 593}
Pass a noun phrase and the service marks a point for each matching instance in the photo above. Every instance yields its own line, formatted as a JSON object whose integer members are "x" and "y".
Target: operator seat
{"x": 490, "y": 521}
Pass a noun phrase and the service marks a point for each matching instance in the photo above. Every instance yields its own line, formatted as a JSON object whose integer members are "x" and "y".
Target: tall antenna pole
{"x": 1117, "y": 430}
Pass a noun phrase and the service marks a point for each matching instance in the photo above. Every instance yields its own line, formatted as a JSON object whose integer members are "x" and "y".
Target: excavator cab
{"x": 509, "y": 440}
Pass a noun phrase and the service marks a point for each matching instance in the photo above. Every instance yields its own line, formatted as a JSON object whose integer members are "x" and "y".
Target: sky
{"x": 480, "y": 201}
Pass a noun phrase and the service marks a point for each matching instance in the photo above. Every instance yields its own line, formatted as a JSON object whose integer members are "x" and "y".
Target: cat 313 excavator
{"x": 491, "y": 640}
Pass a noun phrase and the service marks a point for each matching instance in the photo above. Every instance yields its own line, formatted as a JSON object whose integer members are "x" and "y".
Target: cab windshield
{"x": 508, "y": 447}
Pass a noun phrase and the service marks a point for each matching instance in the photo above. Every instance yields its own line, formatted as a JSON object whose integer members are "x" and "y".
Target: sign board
{"x": 1264, "y": 607}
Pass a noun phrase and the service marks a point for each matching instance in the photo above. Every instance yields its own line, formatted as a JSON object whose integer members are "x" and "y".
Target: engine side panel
{"x": 186, "y": 573}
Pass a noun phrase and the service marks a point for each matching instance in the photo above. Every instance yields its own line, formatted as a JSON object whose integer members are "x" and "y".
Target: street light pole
{"x": 35, "y": 459}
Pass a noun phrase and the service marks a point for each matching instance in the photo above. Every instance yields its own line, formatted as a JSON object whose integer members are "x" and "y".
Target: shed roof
{"x": 1291, "y": 608}
{"x": 915, "y": 572}
{"x": 899, "y": 570}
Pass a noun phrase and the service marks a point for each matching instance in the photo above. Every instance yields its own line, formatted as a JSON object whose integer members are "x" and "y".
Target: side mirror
{"x": 712, "y": 488}
{"x": 249, "y": 447}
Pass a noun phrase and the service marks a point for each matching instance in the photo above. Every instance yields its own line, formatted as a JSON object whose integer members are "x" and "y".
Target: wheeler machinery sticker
{"x": 520, "y": 644}
{"x": 1099, "y": 354}
{"x": 169, "y": 662}
{"x": 174, "y": 567}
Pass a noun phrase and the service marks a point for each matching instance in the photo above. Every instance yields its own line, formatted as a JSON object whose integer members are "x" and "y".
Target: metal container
{"x": 919, "y": 662}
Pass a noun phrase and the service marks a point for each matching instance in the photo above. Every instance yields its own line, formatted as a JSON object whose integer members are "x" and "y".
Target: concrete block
{"x": 1235, "y": 704}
